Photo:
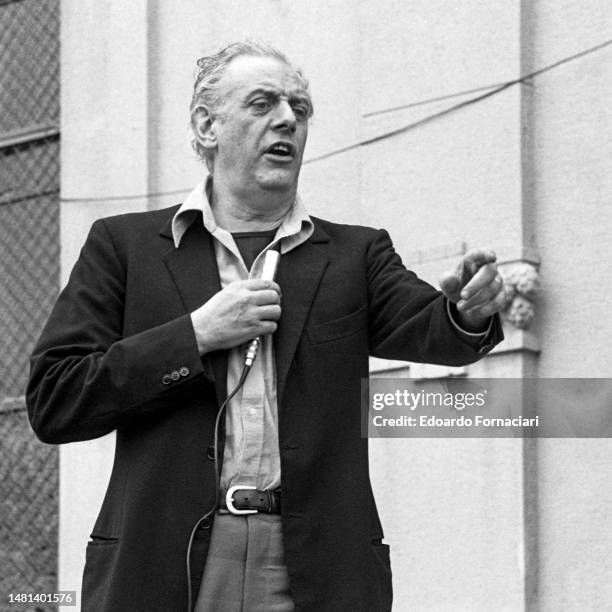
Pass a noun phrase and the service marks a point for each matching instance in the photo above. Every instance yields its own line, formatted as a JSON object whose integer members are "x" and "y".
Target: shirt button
{"x": 210, "y": 453}
{"x": 166, "y": 380}
{"x": 184, "y": 371}
{"x": 175, "y": 375}
{"x": 206, "y": 523}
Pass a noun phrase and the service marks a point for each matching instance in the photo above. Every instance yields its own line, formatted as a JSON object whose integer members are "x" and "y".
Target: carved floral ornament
{"x": 522, "y": 284}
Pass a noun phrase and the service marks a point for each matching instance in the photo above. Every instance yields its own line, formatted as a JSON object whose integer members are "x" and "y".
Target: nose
{"x": 284, "y": 118}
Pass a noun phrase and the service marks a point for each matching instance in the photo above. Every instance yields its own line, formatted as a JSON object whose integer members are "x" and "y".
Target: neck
{"x": 257, "y": 210}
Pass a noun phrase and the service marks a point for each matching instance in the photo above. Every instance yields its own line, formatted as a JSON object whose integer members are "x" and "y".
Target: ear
{"x": 203, "y": 124}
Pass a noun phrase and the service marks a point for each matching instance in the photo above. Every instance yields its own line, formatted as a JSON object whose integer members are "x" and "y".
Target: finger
{"x": 484, "y": 295}
{"x": 481, "y": 279}
{"x": 492, "y": 306}
{"x": 476, "y": 258}
{"x": 266, "y": 327}
{"x": 269, "y": 313}
{"x": 265, "y": 296}
{"x": 257, "y": 284}
{"x": 471, "y": 262}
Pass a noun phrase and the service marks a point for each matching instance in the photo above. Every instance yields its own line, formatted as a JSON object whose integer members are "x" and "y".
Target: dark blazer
{"x": 121, "y": 327}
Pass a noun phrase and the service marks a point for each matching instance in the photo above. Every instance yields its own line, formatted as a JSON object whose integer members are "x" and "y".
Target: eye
{"x": 260, "y": 104}
{"x": 300, "y": 111}
{"x": 301, "y": 108}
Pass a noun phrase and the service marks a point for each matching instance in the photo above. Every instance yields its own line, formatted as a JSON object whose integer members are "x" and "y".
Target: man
{"x": 148, "y": 339}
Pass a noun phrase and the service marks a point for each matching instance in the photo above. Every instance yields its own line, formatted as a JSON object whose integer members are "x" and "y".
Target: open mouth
{"x": 281, "y": 149}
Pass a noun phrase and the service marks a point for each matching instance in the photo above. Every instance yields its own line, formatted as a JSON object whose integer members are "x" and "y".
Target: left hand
{"x": 476, "y": 287}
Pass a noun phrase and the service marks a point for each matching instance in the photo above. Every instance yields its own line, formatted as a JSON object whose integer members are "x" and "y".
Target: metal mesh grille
{"x": 29, "y": 261}
{"x": 29, "y": 169}
{"x": 28, "y": 507}
{"x": 29, "y": 64}
{"x": 29, "y": 281}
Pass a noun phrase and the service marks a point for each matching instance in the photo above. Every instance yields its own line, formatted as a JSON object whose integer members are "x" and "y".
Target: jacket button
{"x": 210, "y": 453}
{"x": 184, "y": 371}
{"x": 166, "y": 380}
{"x": 175, "y": 375}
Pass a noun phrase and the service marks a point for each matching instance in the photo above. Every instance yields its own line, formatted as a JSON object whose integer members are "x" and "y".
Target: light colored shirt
{"x": 251, "y": 455}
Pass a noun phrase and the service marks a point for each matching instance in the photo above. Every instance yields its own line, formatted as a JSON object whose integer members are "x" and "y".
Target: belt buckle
{"x": 229, "y": 500}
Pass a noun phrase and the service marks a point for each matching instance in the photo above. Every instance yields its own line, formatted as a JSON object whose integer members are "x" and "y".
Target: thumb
{"x": 451, "y": 286}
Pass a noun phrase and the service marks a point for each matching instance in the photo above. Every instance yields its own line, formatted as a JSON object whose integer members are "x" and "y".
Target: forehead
{"x": 250, "y": 72}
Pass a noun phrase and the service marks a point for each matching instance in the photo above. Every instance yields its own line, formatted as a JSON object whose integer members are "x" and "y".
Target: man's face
{"x": 261, "y": 126}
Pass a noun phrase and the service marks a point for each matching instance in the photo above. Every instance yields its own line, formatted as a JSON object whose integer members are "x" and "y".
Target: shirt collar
{"x": 296, "y": 222}
{"x": 196, "y": 201}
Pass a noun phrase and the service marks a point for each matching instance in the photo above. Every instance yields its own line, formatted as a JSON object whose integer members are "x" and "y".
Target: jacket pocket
{"x": 100, "y": 540}
{"x": 339, "y": 328}
{"x": 382, "y": 566}
{"x": 99, "y": 573}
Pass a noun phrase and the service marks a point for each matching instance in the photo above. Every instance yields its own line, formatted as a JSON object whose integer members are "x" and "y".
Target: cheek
{"x": 302, "y": 136}
{"x": 237, "y": 143}
{"x": 245, "y": 138}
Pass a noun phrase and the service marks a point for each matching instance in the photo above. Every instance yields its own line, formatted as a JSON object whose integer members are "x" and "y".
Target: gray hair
{"x": 210, "y": 70}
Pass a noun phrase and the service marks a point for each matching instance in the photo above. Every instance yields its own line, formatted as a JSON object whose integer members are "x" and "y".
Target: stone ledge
{"x": 12, "y": 404}
{"x": 387, "y": 365}
{"x": 517, "y": 340}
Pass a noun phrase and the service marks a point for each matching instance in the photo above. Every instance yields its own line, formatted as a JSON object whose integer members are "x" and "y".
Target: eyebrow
{"x": 299, "y": 95}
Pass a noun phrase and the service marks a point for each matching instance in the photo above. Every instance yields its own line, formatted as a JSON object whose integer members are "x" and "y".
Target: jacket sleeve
{"x": 86, "y": 379}
{"x": 408, "y": 318}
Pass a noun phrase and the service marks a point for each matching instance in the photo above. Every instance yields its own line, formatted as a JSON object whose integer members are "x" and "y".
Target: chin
{"x": 278, "y": 182}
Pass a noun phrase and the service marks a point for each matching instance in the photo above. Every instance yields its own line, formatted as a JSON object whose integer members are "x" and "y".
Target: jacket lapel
{"x": 299, "y": 274}
{"x": 193, "y": 267}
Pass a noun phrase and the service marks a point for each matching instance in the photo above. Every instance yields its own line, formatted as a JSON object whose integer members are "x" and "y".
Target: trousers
{"x": 245, "y": 569}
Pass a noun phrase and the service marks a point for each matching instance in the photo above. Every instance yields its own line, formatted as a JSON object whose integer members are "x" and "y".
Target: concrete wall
{"x": 482, "y": 524}
{"x": 104, "y": 157}
{"x": 571, "y": 148}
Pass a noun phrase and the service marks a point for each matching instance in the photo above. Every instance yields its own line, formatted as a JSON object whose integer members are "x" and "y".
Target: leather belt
{"x": 245, "y": 499}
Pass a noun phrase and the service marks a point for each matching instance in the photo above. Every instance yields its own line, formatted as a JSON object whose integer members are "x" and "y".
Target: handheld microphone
{"x": 268, "y": 273}
{"x": 270, "y": 265}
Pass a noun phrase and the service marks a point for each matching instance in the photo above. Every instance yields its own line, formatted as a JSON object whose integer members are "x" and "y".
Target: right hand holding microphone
{"x": 238, "y": 313}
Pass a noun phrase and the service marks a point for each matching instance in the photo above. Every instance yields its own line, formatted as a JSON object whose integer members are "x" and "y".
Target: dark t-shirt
{"x": 251, "y": 244}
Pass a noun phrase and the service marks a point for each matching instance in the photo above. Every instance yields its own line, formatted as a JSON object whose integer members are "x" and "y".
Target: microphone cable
{"x": 245, "y": 371}
{"x": 268, "y": 273}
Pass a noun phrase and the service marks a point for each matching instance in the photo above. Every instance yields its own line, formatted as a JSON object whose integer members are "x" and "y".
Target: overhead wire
{"x": 490, "y": 90}
{"x": 428, "y": 101}
{"x": 465, "y": 103}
